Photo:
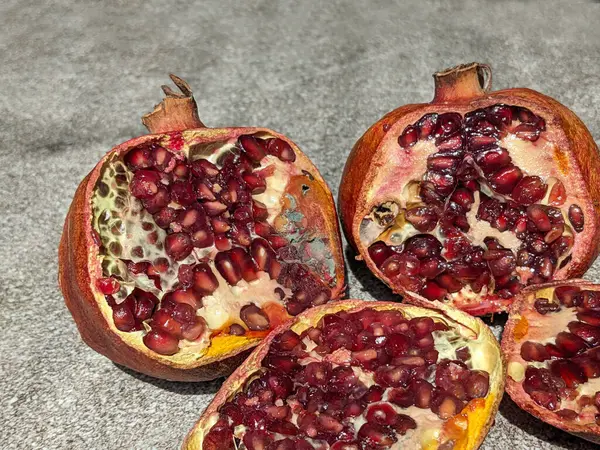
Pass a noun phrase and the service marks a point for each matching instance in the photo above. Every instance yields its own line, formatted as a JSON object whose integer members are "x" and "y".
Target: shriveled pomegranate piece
{"x": 184, "y": 248}
{"x": 394, "y": 381}
{"x": 490, "y": 191}
{"x": 553, "y": 355}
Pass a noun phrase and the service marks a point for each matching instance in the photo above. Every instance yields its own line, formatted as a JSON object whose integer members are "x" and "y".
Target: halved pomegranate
{"x": 183, "y": 248}
{"x": 475, "y": 195}
{"x": 361, "y": 375}
{"x": 552, "y": 346}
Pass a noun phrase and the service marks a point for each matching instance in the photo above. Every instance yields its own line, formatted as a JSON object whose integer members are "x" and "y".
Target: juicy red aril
{"x": 281, "y": 149}
{"x": 534, "y": 351}
{"x": 570, "y": 344}
{"x": 161, "y": 342}
{"x": 576, "y": 217}
{"x": 254, "y": 318}
{"x": 108, "y": 286}
{"x": 529, "y": 190}
{"x": 144, "y": 184}
{"x": 570, "y": 372}
{"x": 379, "y": 252}
{"x": 255, "y": 148}
{"x": 422, "y": 218}
{"x": 505, "y": 180}
{"x": 178, "y": 246}
{"x": 409, "y": 137}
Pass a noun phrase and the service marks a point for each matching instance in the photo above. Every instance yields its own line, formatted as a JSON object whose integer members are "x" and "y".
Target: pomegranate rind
{"x": 468, "y": 428}
{"x": 79, "y": 269}
{"x": 369, "y": 165}
{"x": 515, "y": 333}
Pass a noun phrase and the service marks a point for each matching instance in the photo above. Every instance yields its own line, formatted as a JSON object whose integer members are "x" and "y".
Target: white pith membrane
{"x": 392, "y": 197}
{"x": 428, "y": 434}
{"x": 129, "y": 233}
{"x": 575, "y": 397}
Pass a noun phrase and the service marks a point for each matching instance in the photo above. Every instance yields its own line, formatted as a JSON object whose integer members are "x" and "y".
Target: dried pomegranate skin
{"x": 467, "y": 429}
{"x": 79, "y": 252}
{"x": 382, "y": 158}
{"x": 522, "y": 327}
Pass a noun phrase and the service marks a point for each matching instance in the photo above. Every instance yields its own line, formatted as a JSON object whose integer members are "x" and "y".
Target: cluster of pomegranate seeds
{"x": 471, "y": 171}
{"x": 208, "y": 213}
{"x": 559, "y": 370}
{"x": 351, "y": 382}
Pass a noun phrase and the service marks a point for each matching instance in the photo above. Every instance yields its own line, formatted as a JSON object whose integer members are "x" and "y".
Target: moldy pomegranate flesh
{"x": 361, "y": 375}
{"x": 183, "y": 248}
{"x": 473, "y": 196}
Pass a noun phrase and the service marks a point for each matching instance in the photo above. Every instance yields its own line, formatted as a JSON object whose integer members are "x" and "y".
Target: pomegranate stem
{"x": 462, "y": 83}
{"x": 177, "y": 112}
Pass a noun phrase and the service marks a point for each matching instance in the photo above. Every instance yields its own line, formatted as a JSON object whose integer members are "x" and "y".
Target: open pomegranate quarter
{"x": 552, "y": 346}
{"x": 357, "y": 375}
{"x": 473, "y": 196}
{"x": 183, "y": 248}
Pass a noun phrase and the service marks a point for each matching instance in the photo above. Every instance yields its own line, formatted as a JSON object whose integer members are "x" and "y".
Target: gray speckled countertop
{"x": 75, "y": 77}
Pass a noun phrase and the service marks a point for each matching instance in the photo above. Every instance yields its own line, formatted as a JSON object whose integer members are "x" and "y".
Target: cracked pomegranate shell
{"x": 183, "y": 248}
{"x": 470, "y": 198}
{"x": 361, "y": 375}
{"x": 552, "y": 347}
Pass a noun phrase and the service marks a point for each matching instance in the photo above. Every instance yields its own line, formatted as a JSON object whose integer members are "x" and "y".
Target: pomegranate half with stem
{"x": 184, "y": 247}
{"x": 473, "y": 196}
{"x": 552, "y": 345}
{"x": 361, "y": 375}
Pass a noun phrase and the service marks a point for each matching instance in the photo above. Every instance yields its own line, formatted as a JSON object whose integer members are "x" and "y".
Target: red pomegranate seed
{"x": 144, "y": 306}
{"x": 158, "y": 201}
{"x": 183, "y": 313}
{"x": 281, "y": 149}
{"x": 242, "y": 259}
{"x": 431, "y": 267}
{"x": 256, "y": 183}
{"x": 449, "y": 283}
{"x": 139, "y": 158}
{"x": 390, "y": 376}
{"x": 257, "y": 439}
{"x": 409, "y": 137}
{"x": 450, "y": 144}
{"x": 529, "y": 190}
{"x": 568, "y": 295}
{"x": 214, "y": 208}
{"x": 441, "y": 162}
{"x": 448, "y": 124}
{"x": 433, "y": 291}
{"x": 570, "y": 372}
{"x": 404, "y": 423}
{"x": 527, "y": 132}
{"x": 203, "y": 191}
{"x": 590, "y": 317}
{"x": 478, "y": 384}
{"x": 204, "y": 168}
{"x": 576, "y": 218}
{"x": 227, "y": 268}
{"x": 108, "y": 286}
{"x": 422, "y": 218}
{"x": 500, "y": 262}
{"x": 382, "y": 414}
{"x": 178, "y": 246}
{"x": 255, "y": 148}
{"x": 443, "y": 182}
{"x": 237, "y": 330}
{"x": 379, "y": 252}
{"x": 446, "y": 406}
{"x": 165, "y": 217}
{"x": 254, "y": 318}
{"x": 427, "y": 125}
{"x": 144, "y": 184}
{"x": 181, "y": 171}
{"x": 493, "y": 159}
{"x": 548, "y": 400}
{"x": 378, "y": 436}
{"x": 162, "y": 157}
{"x": 505, "y": 180}
{"x": 222, "y": 243}
{"x": 423, "y": 245}
{"x": 570, "y": 344}
{"x": 259, "y": 211}
{"x": 123, "y": 317}
{"x": 161, "y": 342}
{"x": 539, "y": 217}
{"x": 240, "y": 235}
{"x": 558, "y": 194}
{"x": 555, "y": 232}
{"x": 182, "y": 192}
{"x": 588, "y": 333}
{"x": 544, "y": 306}
{"x": 204, "y": 281}
{"x": 262, "y": 253}
{"x": 589, "y": 366}
{"x": 398, "y": 344}
{"x": 590, "y": 299}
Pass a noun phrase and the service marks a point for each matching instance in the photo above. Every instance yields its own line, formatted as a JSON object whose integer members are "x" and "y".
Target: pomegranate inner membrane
{"x": 478, "y": 208}
{"x": 559, "y": 359}
{"x": 358, "y": 380}
{"x": 207, "y": 239}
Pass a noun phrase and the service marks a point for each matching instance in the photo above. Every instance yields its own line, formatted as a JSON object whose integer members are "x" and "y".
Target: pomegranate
{"x": 361, "y": 375}
{"x": 183, "y": 248}
{"x": 473, "y": 196}
{"x": 552, "y": 345}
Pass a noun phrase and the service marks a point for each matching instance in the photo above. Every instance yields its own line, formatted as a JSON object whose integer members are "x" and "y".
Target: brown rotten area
{"x": 183, "y": 248}
{"x": 552, "y": 345}
{"x": 354, "y": 375}
{"x": 473, "y": 196}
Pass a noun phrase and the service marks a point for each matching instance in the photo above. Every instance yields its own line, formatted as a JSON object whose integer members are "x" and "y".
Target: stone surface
{"x": 75, "y": 78}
